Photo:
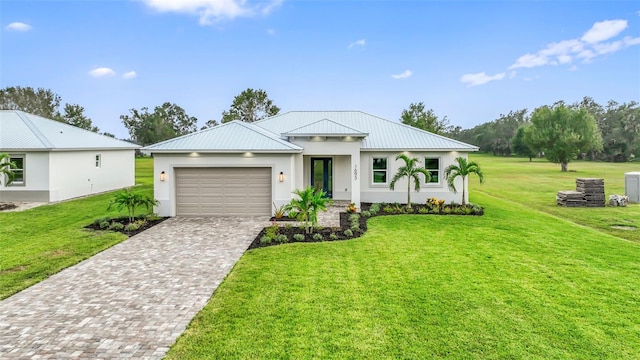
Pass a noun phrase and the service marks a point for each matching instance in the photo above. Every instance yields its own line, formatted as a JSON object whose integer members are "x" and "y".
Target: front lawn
{"x": 39, "y": 242}
{"x": 514, "y": 283}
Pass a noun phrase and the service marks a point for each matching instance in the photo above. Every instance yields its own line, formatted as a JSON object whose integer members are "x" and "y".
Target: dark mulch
{"x": 396, "y": 209}
{"x": 124, "y": 221}
{"x": 7, "y": 206}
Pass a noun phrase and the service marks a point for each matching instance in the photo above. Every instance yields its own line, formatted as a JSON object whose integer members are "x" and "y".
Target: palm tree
{"x": 411, "y": 171}
{"x": 6, "y": 168}
{"x": 306, "y": 208}
{"x": 461, "y": 168}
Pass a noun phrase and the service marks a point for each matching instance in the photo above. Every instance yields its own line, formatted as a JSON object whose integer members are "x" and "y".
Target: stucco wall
{"x": 381, "y": 192}
{"x": 36, "y": 175}
{"x": 74, "y": 173}
{"x": 164, "y": 191}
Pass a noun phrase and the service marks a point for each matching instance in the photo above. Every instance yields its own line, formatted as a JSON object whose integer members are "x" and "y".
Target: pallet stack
{"x": 570, "y": 198}
{"x": 593, "y": 190}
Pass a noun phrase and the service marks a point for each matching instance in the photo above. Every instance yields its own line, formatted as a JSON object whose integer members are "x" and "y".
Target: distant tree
{"x": 411, "y": 171}
{"x": 519, "y": 146}
{"x": 210, "y": 124}
{"x": 251, "y": 105}
{"x": 74, "y": 115}
{"x": 41, "y": 102}
{"x": 165, "y": 122}
{"x": 6, "y": 169}
{"x": 108, "y": 134}
{"x": 562, "y": 133}
{"x": 420, "y": 118}
{"x": 462, "y": 168}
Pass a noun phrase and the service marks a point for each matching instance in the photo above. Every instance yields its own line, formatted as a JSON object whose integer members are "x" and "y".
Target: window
{"x": 433, "y": 165}
{"x": 98, "y": 160}
{"x": 18, "y": 171}
{"x": 380, "y": 170}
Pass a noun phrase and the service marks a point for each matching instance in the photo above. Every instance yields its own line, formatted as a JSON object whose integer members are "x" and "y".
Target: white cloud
{"x": 512, "y": 74}
{"x": 361, "y": 42}
{"x": 129, "y": 75}
{"x": 271, "y": 32}
{"x": 210, "y": 11}
{"x": 573, "y": 68}
{"x": 18, "y": 26}
{"x": 604, "y": 30}
{"x": 102, "y": 72}
{"x": 590, "y": 46}
{"x": 480, "y": 78}
{"x": 403, "y": 75}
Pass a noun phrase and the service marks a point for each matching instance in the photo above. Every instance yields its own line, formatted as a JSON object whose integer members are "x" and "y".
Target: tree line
{"x": 610, "y": 132}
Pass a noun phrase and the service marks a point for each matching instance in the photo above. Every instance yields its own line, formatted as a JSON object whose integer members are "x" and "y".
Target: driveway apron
{"x": 130, "y": 301}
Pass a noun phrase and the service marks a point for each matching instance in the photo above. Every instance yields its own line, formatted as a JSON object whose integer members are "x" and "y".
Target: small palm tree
{"x": 306, "y": 208}
{"x": 6, "y": 169}
{"x": 462, "y": 168}
{"x": 411, "y": 171}
{"x": 130, "y": 200}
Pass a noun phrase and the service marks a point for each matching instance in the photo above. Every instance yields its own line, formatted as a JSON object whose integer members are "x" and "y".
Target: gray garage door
{"x": 223, "y": 191}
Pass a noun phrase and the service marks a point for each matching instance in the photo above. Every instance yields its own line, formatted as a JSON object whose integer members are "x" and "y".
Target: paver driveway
{"x": 132, "y": 300}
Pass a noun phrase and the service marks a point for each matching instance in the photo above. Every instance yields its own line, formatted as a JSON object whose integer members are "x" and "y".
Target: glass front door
{"x": 322, "y": 175}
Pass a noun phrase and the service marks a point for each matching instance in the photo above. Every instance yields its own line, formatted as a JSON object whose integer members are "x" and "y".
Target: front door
{"x": 322, "y": 175}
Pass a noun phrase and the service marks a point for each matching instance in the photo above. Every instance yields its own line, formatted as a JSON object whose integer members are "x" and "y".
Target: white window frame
{"x": 387, "y": 170}
{"x": 439, "y": 170}
{"x": 24, "y": 166}
{"x": 98, "y": 160}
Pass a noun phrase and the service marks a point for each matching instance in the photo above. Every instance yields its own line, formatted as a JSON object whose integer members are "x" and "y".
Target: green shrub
{"x": 298, "y": 237}
{"x": 409, "y": 210}
{"x": 317, "y": 237}
{"x": 354, "y": 217}
{"x": 366, "y": 213}
{"x": 355, "y": 228}
{"x": 105, "y": 224}
{"x": 116, "y": 226}
{"x": 266, "y": 240}
{"x": 423, "y": 210}
{"x": 374, "y": 208}
{"x": 131, "y": 227}
{"x": 153, "y": 217}
{"x": 447, "y": 210}
{"x": 282, "y": 238}
{"x": 288, "y": 226}
{"x": 98, "y": 222}
{"x": 388, "y": 209}
{"x": 272, "y": 231}
{"x": 348, "y": 233}
{"x": 333, "y": 236}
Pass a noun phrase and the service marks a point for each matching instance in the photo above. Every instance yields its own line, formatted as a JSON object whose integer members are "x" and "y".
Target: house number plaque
{"x": 355, "y": 172}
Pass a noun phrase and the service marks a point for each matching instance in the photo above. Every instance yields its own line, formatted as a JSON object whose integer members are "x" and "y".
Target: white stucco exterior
{"x": 60, "y": 175}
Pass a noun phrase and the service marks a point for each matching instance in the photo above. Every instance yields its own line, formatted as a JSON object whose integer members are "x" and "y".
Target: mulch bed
{"x": 7, "y": 206}
{"x": 289, "y": 230}
{"x": 124, "y": 221}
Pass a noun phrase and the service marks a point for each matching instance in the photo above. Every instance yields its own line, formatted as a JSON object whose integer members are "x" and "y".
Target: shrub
{"x": 278, "y": 211}
{"x": 333, "y": 236}
{"x": 409, "y": 210}
{"x": 317, "y": 237}
{"x": 348, "y": 233}
{"x": 282, "y": 238}
{"x": 354, "y": 217}
{"x": 298, "y": 237}
{"x": 131, "y": 227}
{"x": 272, "y": 231}
{"x": 388, "y": 209}
{"x": 288, "y": 226}
{"x": 101, "y": 220}
{"x": 355, "y": 228}
{"x": 116, "y": 226}
{"x": 374, "y": 208}
{"x": 366, "y": 213}
{"x": 103, "y": 225}
{"x": 265, "y": 240}
{"x": 351, "y": 208}
{"x": 153, "y": 217}
{"x": 447, "y": 210}
{"x": 467, "y": 210}
{"x": 423, "y": 210}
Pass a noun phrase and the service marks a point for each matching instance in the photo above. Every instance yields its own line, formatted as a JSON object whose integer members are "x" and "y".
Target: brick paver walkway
{"x": 130, "y": 301}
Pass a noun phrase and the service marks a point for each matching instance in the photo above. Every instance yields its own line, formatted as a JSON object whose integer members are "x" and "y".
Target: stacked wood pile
{"x": 589, "y": 192}
{"x": 593, "y": 190}
{"x": 570, "y": 198}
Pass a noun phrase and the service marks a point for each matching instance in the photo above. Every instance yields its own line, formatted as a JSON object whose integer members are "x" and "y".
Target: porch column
{"x": 356, "y": 174}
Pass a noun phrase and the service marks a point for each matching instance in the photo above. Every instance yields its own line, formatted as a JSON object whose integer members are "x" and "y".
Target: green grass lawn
{"x": 39, "y": 242}
{"x": 525, "y": 280}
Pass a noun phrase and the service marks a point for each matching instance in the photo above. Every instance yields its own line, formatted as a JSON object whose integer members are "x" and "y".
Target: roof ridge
{"x": 189, "y": 134}
{"x": 41, "y": 137}
{"x": 267, "y": 133}
{"x": 325, "y": 119}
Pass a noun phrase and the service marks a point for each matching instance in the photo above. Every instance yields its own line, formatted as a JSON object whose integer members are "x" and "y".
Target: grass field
{"x": 528, "y": 280}
{"x": 39, "y": 242}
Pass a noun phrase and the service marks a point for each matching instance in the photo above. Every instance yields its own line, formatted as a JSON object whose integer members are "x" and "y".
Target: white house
{"x": 240, "y": 168}
{"x": 57, "y": 161}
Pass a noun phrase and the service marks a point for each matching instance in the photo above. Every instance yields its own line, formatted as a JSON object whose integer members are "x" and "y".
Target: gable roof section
{"x": 20, "y": 131}
{"x": 234, "y": 136}
{"x": 382, "y": 134}
{"x": 325, "y": 127}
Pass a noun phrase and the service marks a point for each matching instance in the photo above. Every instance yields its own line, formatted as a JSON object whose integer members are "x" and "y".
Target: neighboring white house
{"x": 240, "y": 168}
{"x": 57, "y": 161}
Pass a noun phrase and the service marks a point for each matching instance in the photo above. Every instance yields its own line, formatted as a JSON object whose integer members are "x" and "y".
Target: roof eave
{"x": 419, "y": 149}
{"x": 200, "y": 151}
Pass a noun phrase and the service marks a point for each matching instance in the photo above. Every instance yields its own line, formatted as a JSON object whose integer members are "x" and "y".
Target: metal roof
{"x": 21, "y": 131}
{"x": 234, "y": 136}
{"x": 325, "y": 127}
{"x": 382, "y": 134}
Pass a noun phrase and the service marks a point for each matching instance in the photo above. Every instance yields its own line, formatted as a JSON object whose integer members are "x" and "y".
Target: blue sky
{"x": 468, "y": 60}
